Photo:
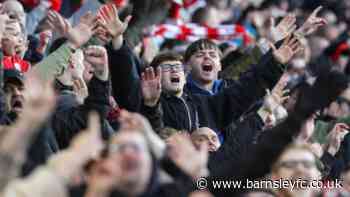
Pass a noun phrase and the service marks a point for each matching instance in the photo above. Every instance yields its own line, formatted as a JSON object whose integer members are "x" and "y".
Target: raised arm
{"x": 57, "y": 62}
{"x": 229, "y": 105}
{"x": 273, "y": 142}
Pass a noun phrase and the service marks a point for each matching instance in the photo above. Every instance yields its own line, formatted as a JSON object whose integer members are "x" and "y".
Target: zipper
{"x": 188, "y": 113}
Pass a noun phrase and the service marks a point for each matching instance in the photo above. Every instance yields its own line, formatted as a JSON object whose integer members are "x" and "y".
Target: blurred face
{"x": 200, "y": 194}
{"x": 205, "y": 65}
{"x": 128, "y": 149}
{"x": 14, "y": 96}
{"x": 208, "y": 136}
{"x": 12, "y": 38}
{"x": 22, "y": 46}
{"x": 15, "y": 10}
{"x": 297, "y": 164}
{"x": 173, "y": 77}
{"x": 258, "y": 194}
{"x": 104, "y": 172}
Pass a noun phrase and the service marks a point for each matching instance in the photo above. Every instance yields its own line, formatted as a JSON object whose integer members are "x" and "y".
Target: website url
{"x": 202, "y": 183}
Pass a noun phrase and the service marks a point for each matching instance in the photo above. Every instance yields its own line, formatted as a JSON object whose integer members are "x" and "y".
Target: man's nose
{"x": 17, "y": 92}
{"x": 300, "y": 167}
{"x": 206, "y": 55}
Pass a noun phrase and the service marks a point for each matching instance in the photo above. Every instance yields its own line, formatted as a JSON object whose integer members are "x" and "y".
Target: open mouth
{"x": 175, "y": 79}
{"x": 17, "y": 104}
{"x": 130, "y": 165}
{"x": 207, "y": 67}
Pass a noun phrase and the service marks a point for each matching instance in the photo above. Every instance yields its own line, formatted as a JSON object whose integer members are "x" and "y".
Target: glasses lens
{"x": 167, "y": 67}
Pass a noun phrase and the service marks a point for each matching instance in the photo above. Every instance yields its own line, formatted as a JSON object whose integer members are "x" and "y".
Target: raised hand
{"x": 278, "y": 92}
{"x": 135, "y": 121}
{"x": 3, "y": 18}
{"x": 272, "y": 109}
{"x": 89, "y": 143}
{"x": 44, "y": 38}
{"x": 187, "y": 157}
{"x": 290, "y": 47}
{"x": 98, "y": 58}
{"x": 78, "y": 35}
{"x": 77, "y": 64}
{"x": 111, "y": 21}
{"x": 151, "y": 86}
{"x": 283, "y": 29}
{"x": 335, "y": 137}
{"x": 80, "y": 89}
{"x": 86, "y": 28}
{"x": 58, "y": 24}
{"x": 312, "y": 23}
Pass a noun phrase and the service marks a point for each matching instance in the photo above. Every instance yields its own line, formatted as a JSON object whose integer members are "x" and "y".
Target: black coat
{"x": 257, "y": 163}
{"x": 181, "y": 185}
{"x": 70, "y": 118}
{"x": 239, "y": 139}
{"x": 125, "y": 69}
{"x": 218, "y": 111}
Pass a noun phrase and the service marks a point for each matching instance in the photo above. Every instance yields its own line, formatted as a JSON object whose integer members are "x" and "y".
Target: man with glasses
{"x": 169, "y": 103}
{"x": 297, "y": 164}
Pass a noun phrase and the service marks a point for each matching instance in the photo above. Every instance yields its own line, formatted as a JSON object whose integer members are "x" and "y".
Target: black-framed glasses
{"x": 174, "y": 67}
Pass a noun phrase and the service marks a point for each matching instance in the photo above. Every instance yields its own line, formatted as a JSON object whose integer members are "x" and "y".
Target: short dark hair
{"x": 166, "y": 56}
{"x": 198, "y": 45}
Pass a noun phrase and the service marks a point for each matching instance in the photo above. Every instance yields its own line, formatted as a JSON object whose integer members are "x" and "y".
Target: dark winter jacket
{"x": 70, "y": 118}
{"x": 273, "y": 141}
{"x": 220, "y": 110}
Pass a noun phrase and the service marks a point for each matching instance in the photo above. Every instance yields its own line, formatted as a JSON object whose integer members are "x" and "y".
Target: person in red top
{"x": 13, "y": 45}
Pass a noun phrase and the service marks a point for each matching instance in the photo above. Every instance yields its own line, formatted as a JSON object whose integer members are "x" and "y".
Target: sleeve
{"x": 67, "y": 123}
{"x": 327, "y": 161}
{"x": 154, "y": 116}
{"x": 32, "y": 54}
{"x": 272, "y": 143}
{"x": 182, "y": 180}
{"x": 124, "y": 66}
{"x": 233, "y": 101}
{"x": 55, "y": 63}
{"x": 35, "y": 16}
{"x": 239, "y": 138}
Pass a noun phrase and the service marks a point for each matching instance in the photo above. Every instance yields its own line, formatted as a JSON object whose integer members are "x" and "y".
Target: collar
{"x": 184, "y": 95}
{"x": 195, "y": 88}
{"x": 60, "y": 87}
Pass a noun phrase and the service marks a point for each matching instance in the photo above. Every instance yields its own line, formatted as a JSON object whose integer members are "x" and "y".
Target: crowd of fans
{"x": 148, "y": 98}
